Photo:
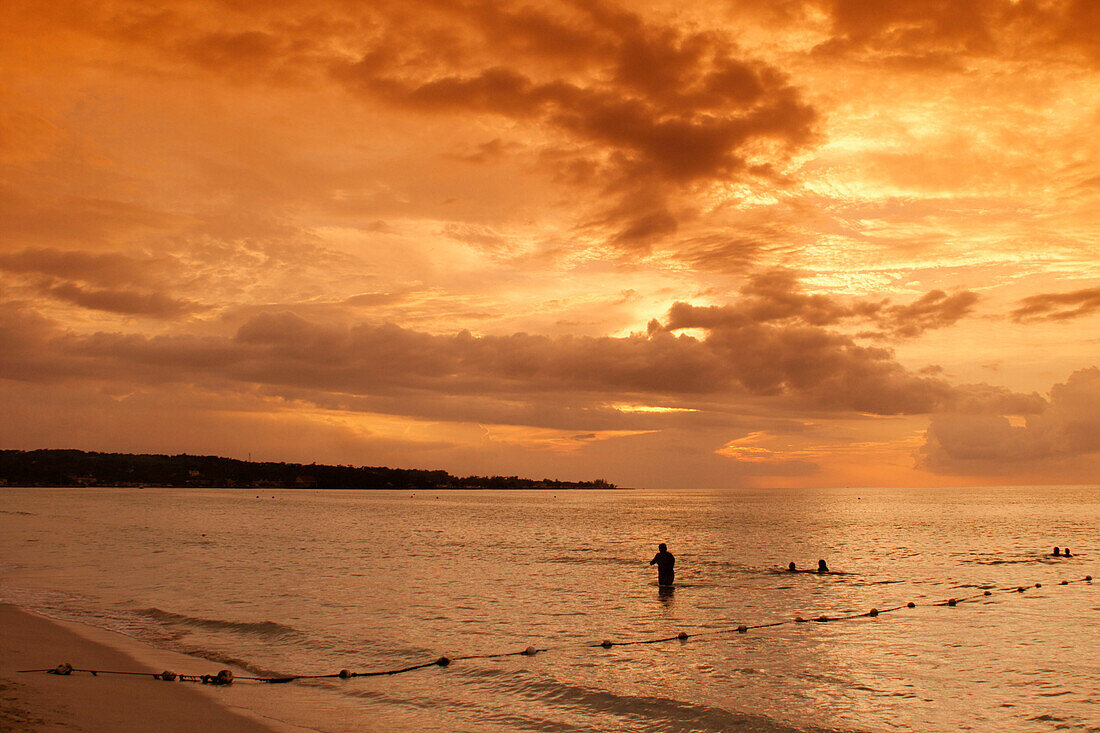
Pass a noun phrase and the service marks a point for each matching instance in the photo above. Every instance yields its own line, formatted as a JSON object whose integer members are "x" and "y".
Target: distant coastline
{"x": 56, "y": 467}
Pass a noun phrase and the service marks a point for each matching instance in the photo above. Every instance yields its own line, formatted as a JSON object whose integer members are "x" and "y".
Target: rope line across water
{"x": 225, "y": 677}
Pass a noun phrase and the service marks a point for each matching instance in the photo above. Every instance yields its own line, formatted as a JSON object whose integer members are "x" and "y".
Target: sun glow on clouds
{"x": 798, "y": 243}
{"x": 650, "y": 408}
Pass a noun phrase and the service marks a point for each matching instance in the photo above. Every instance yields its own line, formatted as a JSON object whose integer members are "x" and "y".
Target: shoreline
{"x": 107, "y": 703}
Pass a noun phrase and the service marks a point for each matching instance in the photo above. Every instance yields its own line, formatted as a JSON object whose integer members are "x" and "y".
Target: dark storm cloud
{"x": 102, "y": 269}
{"x": 125, "y": 302}
{"x": 1058, "y": 306}
{"x": 652, "y": 107}
{"x": 649, "y": 95}
{"x": 365, "y": 357}
{"x": 935, "y": 309}
{"x": 768, "y": 347}
{"x": 110, "y": 282}
{"x": 777, "y": 296}
{"x": 642, "y": 102}
{"x": 723, "y": 252}
{"x": 1068, "y": 427}
{"x": 653, "y": 98}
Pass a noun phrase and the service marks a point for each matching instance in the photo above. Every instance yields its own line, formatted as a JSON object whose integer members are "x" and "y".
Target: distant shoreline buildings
{"x": 81, "y": 468}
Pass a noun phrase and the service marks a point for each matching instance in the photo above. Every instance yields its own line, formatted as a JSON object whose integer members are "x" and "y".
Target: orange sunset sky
{"x": 718, "y": 244}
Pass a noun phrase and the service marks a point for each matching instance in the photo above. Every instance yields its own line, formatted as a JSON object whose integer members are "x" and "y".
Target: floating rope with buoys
{"x": 225, "y": 676}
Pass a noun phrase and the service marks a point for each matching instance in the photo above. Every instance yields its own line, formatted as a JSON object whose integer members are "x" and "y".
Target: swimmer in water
{"x": 791, "y": 568}
{"x": 822, "y": 567}
{"x": 1057, "y": 552}
{"x": 664, "y": 561}
{"x": 1066, "y": 553}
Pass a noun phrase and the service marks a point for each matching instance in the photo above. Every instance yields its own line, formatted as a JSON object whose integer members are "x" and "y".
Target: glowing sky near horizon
{"x": 788, "y": 243}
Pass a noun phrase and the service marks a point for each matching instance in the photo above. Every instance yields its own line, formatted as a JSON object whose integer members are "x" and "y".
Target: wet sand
{"x": 104, "y": 703}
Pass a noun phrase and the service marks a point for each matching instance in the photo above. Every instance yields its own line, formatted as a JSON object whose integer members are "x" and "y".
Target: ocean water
{"x": 311, "y": 582}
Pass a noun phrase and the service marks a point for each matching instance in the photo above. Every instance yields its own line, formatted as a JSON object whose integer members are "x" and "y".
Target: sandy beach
{"x": 99, "y": 704}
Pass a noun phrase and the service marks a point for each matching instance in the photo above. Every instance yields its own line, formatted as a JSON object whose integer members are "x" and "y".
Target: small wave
{"x": 17, "y": 513}
{"x": 978, "y": 586}
{"x": 268, "y": 629}
{"x": 640, "y": 712}
{"x": 221, "y": 658}
{"x": 658, "y": 712}
{"x": 1045, "y": 559}
{"x": 595, "y": 560}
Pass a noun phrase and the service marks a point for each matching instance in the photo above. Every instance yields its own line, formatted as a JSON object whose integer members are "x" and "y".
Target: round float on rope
{"x": 64, "y": 668}
{"x": 682, "y": 636}
{"x": 606, "y": 644}
{"x": 344, "y": 674}
{"x": 910, "y": 604}
{"x": 443, "y": 661}
{"x": 1020, "y": 589}
{"x": 530, "y": 651}
{"x": 1064, "y": 582}
{"x": 167, "y": 675}
{"x": 988, "y": 593}
{"x": 1038, "y": 585}
{"x": 223, "y": 677}
{"x": 799, "y": 620}
{"x": 1088, "y": 578}
{"x": 873, "y": 612}
{"x": 742, "y": 629}
{"x": 952, "y": 602}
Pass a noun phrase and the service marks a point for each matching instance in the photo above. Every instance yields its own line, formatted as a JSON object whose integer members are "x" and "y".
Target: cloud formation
{"x": 1058, "y": 306}
{"x": 621, "y": 101}
{"x": 982, "y": 444}
{"x": 647, "y": 106}
{"x": 936, "y": 33}
{"x": 777, "y": 296}
{"x": 453, "y": 219}
{"x": 755, "y": 350}
{"x": 125, "y": 302}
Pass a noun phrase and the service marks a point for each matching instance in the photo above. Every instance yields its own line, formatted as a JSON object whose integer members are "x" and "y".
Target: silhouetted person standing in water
{"x": 664, "y": 562}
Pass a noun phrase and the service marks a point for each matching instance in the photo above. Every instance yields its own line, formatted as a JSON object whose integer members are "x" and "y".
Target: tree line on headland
{"x": 80, "y": 468}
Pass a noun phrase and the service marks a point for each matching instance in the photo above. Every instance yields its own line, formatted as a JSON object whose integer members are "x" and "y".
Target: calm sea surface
{"x": 294, "y": 582}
